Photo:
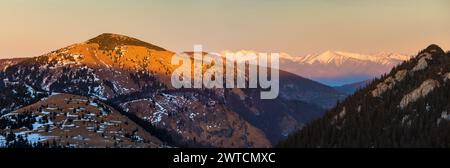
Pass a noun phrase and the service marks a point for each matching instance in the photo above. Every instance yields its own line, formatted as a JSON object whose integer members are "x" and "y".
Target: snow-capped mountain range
{"x": 336, "y": 68}
{"x": 339, "y": 58}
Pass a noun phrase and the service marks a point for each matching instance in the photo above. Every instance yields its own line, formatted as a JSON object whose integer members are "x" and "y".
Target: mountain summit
{"x": 433, "y": 48}
{"x": 108, "y": 41}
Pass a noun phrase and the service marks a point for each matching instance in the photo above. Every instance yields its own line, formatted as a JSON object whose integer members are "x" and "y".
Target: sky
{"x": 35, "y": 27}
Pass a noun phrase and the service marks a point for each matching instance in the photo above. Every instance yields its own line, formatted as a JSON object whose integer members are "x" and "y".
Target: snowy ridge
{"x": 334, "y": 57}
{"x": 339, "y": 58}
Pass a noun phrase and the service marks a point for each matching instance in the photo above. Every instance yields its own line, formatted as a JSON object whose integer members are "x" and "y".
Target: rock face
{"x": 447, "y": 77}
{"x": 389, "y": 83}
{"x": 424, "y": 89}
{"x": 406, "y": 108}
{"x": 422, "y": 64}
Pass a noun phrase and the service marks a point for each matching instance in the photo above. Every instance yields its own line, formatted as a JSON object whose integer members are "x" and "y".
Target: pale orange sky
{"x": 35, "y": 27}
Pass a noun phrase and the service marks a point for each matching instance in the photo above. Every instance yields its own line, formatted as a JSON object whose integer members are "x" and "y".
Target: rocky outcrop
{"x": 447, "y": 77}
{"x": 389, "y": 83}
{"x": 425, "y": 88}
{"x": 422, "y": 63}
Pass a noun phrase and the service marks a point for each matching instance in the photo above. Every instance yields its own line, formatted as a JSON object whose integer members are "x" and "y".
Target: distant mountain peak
{"x": 112, "y": 51}
{"x": 336, "y": 68}
{"x": 109, "y": 41}
{"x": 340, "y": 57}
{"x": 113, "y": 36}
